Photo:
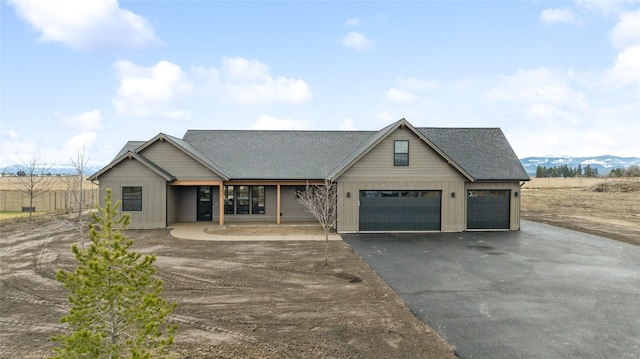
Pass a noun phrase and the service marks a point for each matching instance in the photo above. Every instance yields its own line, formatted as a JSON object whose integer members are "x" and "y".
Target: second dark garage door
{"x": 400, "y": 210}
{"x": 488, "y": 209}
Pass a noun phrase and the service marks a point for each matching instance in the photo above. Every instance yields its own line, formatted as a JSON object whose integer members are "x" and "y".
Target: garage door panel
{"x": 488, "y": 209}
{"x": 388, "y": 211}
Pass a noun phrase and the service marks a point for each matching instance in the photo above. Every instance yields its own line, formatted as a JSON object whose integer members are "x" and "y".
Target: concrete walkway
{"x": 198, "y": 231}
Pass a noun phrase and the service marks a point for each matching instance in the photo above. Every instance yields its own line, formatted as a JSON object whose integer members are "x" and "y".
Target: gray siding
{"x": 514, "y": 187}
{"x": 130, "y": 172}
{"x": 176, "y": 162}
{"x": 215, "y": 199}
{"x": 427, "y": 170}
{"x": 172, "y": 205}
{"x": 423, "y": 161}
{"x": 291, "y": 209}
{"x": 187, "y": 206}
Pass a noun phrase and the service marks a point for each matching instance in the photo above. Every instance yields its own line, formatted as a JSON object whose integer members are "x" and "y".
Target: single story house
{"x": 398, "y": 179}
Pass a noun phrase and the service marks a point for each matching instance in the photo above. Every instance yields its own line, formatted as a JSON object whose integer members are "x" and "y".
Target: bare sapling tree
{"x": 321, "y": 201}
{"x": 116, "y": 305}
{"x": 75, "y": 183}
{"x": 34, "y": 179}
{"x": 75, "y": 193}
{"x": 79, "y": 163}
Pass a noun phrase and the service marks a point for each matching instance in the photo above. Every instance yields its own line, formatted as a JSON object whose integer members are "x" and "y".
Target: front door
{"x": 204, "y": 203}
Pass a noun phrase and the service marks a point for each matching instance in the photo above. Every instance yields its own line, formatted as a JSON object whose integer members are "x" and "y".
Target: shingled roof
{"x": 129, "y": 146}
{"x": 276, "y": 154}
{"x": 484, "y": 153}
{"x": 481, "y": 154}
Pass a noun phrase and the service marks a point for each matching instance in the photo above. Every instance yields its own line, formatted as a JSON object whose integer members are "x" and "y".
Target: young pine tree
{"x": 116, "y": 307}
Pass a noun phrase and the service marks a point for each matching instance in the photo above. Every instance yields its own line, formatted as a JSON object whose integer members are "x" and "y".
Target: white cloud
{"x": 397, "y": 95}
{"x": 386, "y": 118}
{"x": 554, "y": 117}
{"x": 626, "y": 70}
{"x": 248, "y": 82}
{"x": 87, "y": 25}
{"x": 561, "y": 15}
{"x": 85, "y": 121}
{"x": 158, "y": 90}
{"x": 406, "y": 88}
{"x": 603, "y": 8}
{"x": 603, "y": 131}
{"x": 357, "y": 41}
{"x": 541, "y": 89}
{"x": 241, "y": 69}
{"x": 348, "y": 125}
{"x": 414, "y": 84}
{"x": 627, "y": 31}
{"x": 353, "y": 22}
{"x": 273, "y": 123}
{"x": 151, "y": 91}
{"x": 14, "y": 148}
{"x": 78, "y": 142}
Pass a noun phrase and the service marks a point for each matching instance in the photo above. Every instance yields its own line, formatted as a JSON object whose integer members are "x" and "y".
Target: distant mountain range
{"x": 604, "y": 164}
{"x": 55, "y": 170}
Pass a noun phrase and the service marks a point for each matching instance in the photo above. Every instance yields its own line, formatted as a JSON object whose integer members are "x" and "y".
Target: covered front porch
{"x": 236, "y": 202}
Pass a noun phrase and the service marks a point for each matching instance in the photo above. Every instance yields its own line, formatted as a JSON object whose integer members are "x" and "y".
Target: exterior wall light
{"x": 453, "y": 195}
{"x": 348, "y": 194}
{"x": 515, "y": 194}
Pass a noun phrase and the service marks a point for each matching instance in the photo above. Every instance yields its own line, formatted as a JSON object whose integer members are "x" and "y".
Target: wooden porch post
{"x": 221, "y": 204}
{"x": 278, "y": 209}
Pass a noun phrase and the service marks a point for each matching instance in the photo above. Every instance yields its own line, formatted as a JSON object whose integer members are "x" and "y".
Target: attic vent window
{"x": 401, "y": 153}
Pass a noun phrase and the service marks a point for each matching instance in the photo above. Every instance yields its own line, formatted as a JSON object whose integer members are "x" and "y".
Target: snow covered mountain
{"x": 53, "y": 169}
{"x": 604, "y": 164}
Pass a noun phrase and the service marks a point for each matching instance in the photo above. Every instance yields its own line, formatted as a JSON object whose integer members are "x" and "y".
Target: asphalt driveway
{"x": 541, "y": 292}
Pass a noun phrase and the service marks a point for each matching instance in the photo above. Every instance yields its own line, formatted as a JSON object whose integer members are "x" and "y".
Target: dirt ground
{"x": 609, "y": 209}
{"x": 266, "y": 299}
{"x": 236, "y": 299}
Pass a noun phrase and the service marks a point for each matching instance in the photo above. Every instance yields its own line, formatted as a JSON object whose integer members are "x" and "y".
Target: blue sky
{"x": 558, "y": 77}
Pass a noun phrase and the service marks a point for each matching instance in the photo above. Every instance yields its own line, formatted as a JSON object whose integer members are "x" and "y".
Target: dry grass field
{"x": 58, "y": 183}
{"x": 605, "y": 207}
{"x": 58, "y": 197}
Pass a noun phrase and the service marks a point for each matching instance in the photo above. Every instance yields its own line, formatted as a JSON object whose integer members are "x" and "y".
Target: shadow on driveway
{"x": 541, "y": 292}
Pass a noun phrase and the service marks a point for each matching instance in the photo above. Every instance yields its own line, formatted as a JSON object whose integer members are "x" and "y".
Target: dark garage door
{"x": 400, "y": 210}
{"x": 488, "y": 209}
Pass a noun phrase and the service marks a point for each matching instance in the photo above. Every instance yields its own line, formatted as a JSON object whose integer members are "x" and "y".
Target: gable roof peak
{"x": 131, "y": 155}
{"x": 378, "y": 137}
{"x": 188, "y": 149}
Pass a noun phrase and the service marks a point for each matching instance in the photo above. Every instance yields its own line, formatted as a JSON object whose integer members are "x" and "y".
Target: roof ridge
{"x": 462, "y": 128}
{"x": 272, "y": 131}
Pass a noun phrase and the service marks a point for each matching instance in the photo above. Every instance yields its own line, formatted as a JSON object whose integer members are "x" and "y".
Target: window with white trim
{"x": 401, "y": 153}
